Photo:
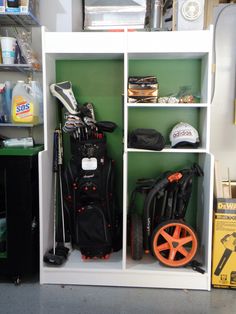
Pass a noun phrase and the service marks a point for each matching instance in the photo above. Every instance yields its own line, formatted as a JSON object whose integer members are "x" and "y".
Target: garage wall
{"x": 61, "y": 15}
{"x": 223, "y": 129}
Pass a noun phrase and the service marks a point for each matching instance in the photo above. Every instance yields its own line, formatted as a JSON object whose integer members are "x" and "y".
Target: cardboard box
{"x": 224, "y": 244}
{"x": 2, "y": 6}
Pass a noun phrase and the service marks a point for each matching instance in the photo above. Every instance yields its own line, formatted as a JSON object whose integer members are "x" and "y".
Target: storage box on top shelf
{"x": 30, "y": 6}
{"x": 113, "y": 14}
{"x": 224, "y": 238}
{"x": 24, "y": 6}
{"x": 12, "y": 6}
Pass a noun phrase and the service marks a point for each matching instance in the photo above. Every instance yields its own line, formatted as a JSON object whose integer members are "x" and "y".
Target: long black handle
{"x": 222, "y": 262}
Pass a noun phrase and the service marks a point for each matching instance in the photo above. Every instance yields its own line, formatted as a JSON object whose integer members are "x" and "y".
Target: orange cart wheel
{"x": 174, "y": 243}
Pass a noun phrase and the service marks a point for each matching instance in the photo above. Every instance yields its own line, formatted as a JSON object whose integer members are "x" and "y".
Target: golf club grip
{"x": 60, "y": 148}
{"x": 55, "y": 151}
{"x": 222, "y": 262}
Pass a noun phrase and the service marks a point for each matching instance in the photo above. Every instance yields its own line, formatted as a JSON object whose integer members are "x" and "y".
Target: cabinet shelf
{"x": 16, "y": 151}
{"x": 169, "y": 150}
{"x": 16, "y": 68}
{"x": 167, "y": 105}
{"x": 18, "y": 19}
{"x": 17, "y": 125}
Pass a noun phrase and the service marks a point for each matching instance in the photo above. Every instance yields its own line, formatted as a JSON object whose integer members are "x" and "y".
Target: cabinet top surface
{"x": 130, "y": 42}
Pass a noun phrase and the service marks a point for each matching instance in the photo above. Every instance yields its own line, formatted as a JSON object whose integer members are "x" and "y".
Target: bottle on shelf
{"x": 25, "y": 107}
{"x": 37, "y": 93}
{"x": 7, "y": 101}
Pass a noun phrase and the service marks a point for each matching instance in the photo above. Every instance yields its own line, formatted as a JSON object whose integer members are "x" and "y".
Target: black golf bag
{"x": 95, "y": 219}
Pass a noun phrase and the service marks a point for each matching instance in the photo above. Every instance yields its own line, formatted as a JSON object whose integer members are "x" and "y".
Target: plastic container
{"x": 37, "y": 93}
{"x": 25, "y": 107}
{"x": 114, "y": 14}
{"x": 7, "y": 101}
{"x": 8, "y": 45}
{"x": 19, "y": 142}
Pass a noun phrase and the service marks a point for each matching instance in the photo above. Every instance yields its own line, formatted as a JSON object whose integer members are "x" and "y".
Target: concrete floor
{"x": 33, "y": 298}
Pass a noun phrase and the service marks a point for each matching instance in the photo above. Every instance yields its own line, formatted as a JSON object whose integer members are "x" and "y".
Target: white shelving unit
{"x": 15, "y": 72}
{"x": 120, "y": 269}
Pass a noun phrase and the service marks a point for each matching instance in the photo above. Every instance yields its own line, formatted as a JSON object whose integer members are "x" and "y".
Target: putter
{"x": 52, "y": 257}
{"x": 61, "y": 249}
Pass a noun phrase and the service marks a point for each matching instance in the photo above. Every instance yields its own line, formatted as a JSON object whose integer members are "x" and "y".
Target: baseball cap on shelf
{"x": 184, "y": 135}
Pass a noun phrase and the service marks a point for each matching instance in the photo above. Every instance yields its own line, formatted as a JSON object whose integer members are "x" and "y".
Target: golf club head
{"x": 53, "y": 259}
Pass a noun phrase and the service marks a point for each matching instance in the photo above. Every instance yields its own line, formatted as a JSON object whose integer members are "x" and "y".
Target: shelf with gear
{"x": 178, "y": 108}
{"x": 99, "y": 73}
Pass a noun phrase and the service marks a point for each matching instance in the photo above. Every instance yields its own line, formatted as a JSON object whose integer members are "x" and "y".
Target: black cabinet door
{"x": 19, "y": 204}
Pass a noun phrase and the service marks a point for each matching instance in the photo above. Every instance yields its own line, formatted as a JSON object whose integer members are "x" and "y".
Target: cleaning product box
{"x": 224, "y": 243}
{"x": 2, "y": 6}
{"x": 29, "y": 6}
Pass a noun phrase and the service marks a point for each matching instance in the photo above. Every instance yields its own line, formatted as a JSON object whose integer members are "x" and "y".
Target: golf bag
{"x": 95, "y": 220}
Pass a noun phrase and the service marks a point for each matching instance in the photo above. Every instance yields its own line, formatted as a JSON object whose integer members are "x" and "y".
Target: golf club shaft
{"x": 55, "y": 170}
{"x": 60, "y": 162}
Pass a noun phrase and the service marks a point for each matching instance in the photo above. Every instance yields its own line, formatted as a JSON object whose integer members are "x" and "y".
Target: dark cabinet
{"x": 19, "y": 216}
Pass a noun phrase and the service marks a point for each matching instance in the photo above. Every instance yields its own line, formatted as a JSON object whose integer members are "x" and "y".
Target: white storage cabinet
{"x": 120, "y": 269}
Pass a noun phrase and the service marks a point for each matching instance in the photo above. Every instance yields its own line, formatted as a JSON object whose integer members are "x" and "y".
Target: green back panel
{"x": 162, "y": 119}
{"x": 171, "y": 74}
{"x": 101, "y": 82}
{"x": 152, "y": 165}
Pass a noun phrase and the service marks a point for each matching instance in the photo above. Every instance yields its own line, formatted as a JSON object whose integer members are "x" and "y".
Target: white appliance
{"x": 184, "y": 15}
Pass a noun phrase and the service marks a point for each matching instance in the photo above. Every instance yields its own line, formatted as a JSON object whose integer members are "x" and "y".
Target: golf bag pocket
{"x": 91, "y": 200}
{"x": 92, "y": 232}
{"x": 88, "y": 187}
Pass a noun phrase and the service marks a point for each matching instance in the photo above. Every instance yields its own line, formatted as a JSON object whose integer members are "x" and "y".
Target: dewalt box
{"x": 224, "y": 244}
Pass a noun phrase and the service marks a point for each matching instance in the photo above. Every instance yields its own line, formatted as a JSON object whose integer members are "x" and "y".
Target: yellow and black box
{"x": 224, "y": 244}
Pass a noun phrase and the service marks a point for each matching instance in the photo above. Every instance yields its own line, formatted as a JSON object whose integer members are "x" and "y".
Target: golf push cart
{"x": 161, "y": 228}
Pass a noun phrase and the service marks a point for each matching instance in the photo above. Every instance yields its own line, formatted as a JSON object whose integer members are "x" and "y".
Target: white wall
{"x": 223, "y": 129}
{"x": 61, "y": 15}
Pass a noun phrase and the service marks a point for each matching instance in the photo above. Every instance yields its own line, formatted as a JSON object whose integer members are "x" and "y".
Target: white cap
{"x": 183, "y": 134}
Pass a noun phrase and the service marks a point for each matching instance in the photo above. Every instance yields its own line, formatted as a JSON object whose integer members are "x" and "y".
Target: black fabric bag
{"x": 95, "y": 218}
{"x": 146, "y": 139}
